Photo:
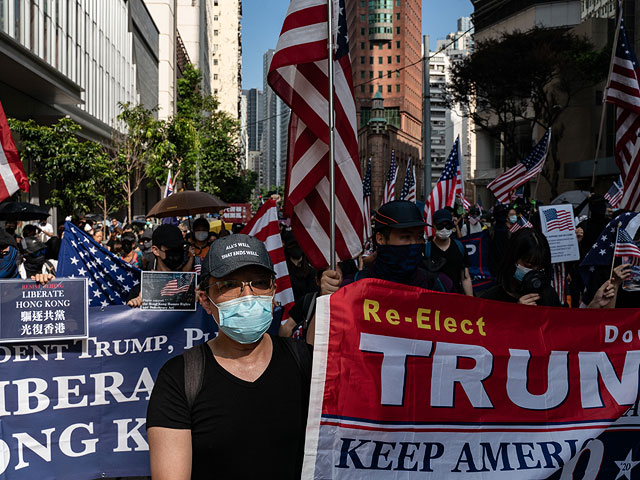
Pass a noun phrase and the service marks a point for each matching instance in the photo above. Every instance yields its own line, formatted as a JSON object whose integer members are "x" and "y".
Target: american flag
{"x": 517, "y": 193}
{"x": 625, "y": 247}
{"x": 177, "y": 285}
{"x": 299, "y": 75}
{"x": 409, "y": 186}
{"x": 264, "y": 226}
{"x": 614, "y": 195}
{"x": 110, "y": 278}
{"x": 601, "y": 253}
{"x": 624, "y": 91}
{"x": 366, "y": 192}
{"x": 521, "y": 223}
{"x": 168, "y": 188}
{"x": 464, "y": 202}
{"x": 556, "y": 219}
{"x": 12, "y": 174}
{"x": 390, "y": 186}
{"x": 521, "y": 173}
{"x": 445, "y": 191}
{"x": 559, "y": 281}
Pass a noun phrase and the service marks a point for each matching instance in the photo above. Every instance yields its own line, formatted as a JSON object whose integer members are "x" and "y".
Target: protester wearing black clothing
{"x": 593, "y": 226}
{"x": 301, "y": 273}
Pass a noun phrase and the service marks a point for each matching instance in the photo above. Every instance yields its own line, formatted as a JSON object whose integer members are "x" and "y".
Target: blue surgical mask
{"x": 521, "y": 272}
{"x": 513, "y": 218}
{"x": 398, "y": 263}
{"x": 245, "y": 319}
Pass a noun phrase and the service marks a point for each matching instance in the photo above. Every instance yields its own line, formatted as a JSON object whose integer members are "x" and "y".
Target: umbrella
{"x": 185, "y": 204}
{"x": 22, "y": 211}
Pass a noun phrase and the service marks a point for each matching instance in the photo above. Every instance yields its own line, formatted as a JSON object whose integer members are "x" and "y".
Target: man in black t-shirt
{"x": 447, "y": 255}
{"x": 248, "y": 417}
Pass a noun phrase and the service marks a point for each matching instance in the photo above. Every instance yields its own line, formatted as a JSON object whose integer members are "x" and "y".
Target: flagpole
{"x": 613, "y": 260}
{"x": 604, "y": 103}
{"x": 332, "y": 147}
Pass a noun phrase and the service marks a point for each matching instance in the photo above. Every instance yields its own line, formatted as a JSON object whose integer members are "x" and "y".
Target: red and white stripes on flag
{"x": 445, "y": 191}
{"x": 389, "y": 193}
{"x": 519, "y": 224}
{"x": 168, "y": 188}
{"x": 623, "y": 90}
{"x": 299, "y": 75}
{"x": 559, "y": 281}
{"x": 12, "y": 174}
{"x": 264, "y": 226}
{"x": 522, "y": 172}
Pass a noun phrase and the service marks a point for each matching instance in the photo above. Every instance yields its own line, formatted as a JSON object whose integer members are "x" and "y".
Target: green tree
{"x": 205, "y": 146}
{"x": 516, "y": 81}
{"x": 80, "y": 173}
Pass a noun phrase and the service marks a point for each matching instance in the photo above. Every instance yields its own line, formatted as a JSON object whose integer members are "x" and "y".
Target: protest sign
{"x": 237, "y": 213}
{"x": 33, "y": 312}
{"x": 76, "y": 409}
{"x": 168, "y": 291}
{"x": 477, "y": 245}
{"x": 421, "y": 383}
{"x": 558, "y": 225}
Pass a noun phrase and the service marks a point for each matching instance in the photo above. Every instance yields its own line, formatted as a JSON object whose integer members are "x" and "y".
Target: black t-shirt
{"x": 454, "y": 260}
{"x": 239, "y": 429}
{"x": 548, "y": 297}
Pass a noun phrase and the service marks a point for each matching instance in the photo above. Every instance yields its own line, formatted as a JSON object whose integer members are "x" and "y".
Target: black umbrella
{"x": 22, "y": 211}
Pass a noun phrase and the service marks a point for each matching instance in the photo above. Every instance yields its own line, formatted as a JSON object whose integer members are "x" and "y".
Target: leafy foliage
{"x": 511, "y": 83}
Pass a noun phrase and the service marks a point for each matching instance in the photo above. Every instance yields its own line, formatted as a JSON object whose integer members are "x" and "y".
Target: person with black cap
{"x": 148, "y": 258}
{"x": 399, "y": 246}
{"x": 33, "y": 252}
{"x": 448, "y": 255}
{"x": 168, "y": 247}
{"x": 472, "y": 224}
{"x": 243, "y": 391}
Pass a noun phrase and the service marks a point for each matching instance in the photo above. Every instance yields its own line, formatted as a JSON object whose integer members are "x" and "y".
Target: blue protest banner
{"x": 33, "y": 312}
{"x": 477, "y": 245}
{"x": 76, "y": 409}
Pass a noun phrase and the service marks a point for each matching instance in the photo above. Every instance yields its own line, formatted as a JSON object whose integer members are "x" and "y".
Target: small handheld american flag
{"x": 390, "y": 185}
{"x": 444, "y": 192}
{"x": 409, "y": 186}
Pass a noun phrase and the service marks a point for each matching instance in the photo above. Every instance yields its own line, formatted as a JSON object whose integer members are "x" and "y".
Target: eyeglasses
{"x": 233, "y": 288}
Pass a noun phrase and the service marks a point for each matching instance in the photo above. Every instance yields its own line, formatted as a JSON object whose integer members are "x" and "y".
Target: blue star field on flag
{"x": 110, "y": 278}
{"x": 366, "y": 182}
{"x": 601, "y": 252}
{"x": 409, "y": 182}
{"x": 451, "y": 166}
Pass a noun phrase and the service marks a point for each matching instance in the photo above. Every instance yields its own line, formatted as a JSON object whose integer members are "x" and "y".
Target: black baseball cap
{"x": 230, "y": 253}
{"x": 398, "y": 214}
{"x": 168, "y": 236}
{"x": 442, "y": 216}
{"x": 7, "y": 240}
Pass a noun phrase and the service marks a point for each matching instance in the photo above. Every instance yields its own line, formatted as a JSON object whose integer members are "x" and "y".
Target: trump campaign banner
{"x": 76, "y": 409}
{"x": 477, "y": 245}
{"x": 418, "y": 384}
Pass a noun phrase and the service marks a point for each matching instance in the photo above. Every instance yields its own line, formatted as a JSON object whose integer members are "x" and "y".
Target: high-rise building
{"x": 385, "y": 41}
{"x": 275, "y": 132}
{"x": 194, "y": 25}
{"x": 225, "y": 47}
{"x": 255, "y": 117}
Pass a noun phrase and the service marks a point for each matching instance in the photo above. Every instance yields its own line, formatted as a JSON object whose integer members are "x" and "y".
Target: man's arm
{"x": 169, "y": 453}
{"x": 467, "y": 285}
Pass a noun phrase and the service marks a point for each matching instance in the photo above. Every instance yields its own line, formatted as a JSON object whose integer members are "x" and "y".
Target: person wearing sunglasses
{"x": 253, "y": 388}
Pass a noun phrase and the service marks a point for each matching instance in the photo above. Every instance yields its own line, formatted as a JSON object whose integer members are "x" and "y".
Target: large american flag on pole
{"x": 12, "y": 174}
{"x": 299, "y": 75}
{"x": 445, "y": 191}
{"x": 389, "y": 193}
{"x": 366, "y": 192}
{"x": 624, "y": 92}
{"x": 409, "y": 186}
{"x": 522, "y": 172}
{"x": 264, "y": 226}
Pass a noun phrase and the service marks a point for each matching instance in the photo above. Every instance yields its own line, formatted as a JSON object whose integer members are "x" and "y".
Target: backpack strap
{"x": 460, "y": 246}
{"x": 194, "y": 361}
{"x": 427, "y": 249}
{"x": 300, "y": 353}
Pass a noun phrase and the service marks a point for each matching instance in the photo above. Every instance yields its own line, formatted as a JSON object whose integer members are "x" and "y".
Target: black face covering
{"x": 127, "y": 247}
{"x": 174, "y": 259}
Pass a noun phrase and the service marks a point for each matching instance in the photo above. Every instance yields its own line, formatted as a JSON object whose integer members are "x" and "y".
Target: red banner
{"x": 410, "y": 381}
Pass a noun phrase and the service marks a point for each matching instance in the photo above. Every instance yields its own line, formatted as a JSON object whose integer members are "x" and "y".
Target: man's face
{"x": 402, "y": 236}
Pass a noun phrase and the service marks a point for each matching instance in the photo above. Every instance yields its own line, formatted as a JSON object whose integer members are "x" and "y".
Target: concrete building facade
{"x": 385, "y": 40}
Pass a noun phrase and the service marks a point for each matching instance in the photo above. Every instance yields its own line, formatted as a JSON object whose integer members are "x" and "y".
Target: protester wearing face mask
{"x": 168, "y": 248}
{"x": 8, "y": 255}
{"x": 301, "y": 273}
{"x": 444, "y": 253}
{"x": 129, "y": 252}
{"x": 254, "y": 387}
{"x": 399, "y": 244}
{"x": 472, "y": 224}
{"x": 147, "y": 254}
{"x": 200, "y": 242}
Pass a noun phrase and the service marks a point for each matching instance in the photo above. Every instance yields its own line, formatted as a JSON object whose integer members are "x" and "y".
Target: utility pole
{"x": 426, "y": 118}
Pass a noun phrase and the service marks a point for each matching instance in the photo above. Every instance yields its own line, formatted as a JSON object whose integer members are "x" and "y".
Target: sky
{"x": 261, "y": 26}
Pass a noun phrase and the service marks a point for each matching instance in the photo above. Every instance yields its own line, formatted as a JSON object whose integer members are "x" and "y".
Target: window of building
{"x": 388, "y": 88}
{"x": 215, "y": 18}
{"x": 397, "y": 58}
{"x": 370, "y": 73}
{"x": 370, "y": 60}
{"x": 370, "y": 88}
{"x": 363, "y": 46}
{"x": 380, "y": 88}
{"x": 215, "y": 3}
{"x": 215, "y": 90}
{"x": 397, "y": 3}
{"x": 215, "y": 61}
{"x": 388, "y": 73}
{"x": 362, "y": 31}
{"x": 215, "y": 32}
{"x": 362, "y": 73}
{"x": 363, "y": 17}
{"x": 380, "y": 60}
{"x": 380, "y": 45}
{"x": 389, "y": 59}
{"x": 215, "y": 76}
{"x": 361, "y": 88}
{"x": 398, "y": 44}
{"x": 398, "y": 73}
{"x": 370, "y": 46}
{"x": 361, "y": 3}
{"x": 398, "y": 87}
{"x": 397, "y": 30}
{"x": 361, "y": 60}
{"x": 397, "y": 16}
{"x": 380, "y": 74}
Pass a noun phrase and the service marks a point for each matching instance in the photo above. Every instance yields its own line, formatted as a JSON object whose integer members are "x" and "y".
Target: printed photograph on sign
{"x": 168, "y": 291}
{"x": 32, "y": 312}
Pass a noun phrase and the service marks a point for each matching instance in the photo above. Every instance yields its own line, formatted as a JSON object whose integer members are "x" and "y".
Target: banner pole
{"x": 604, "y": 96}
{"x": 332, "y": 147}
